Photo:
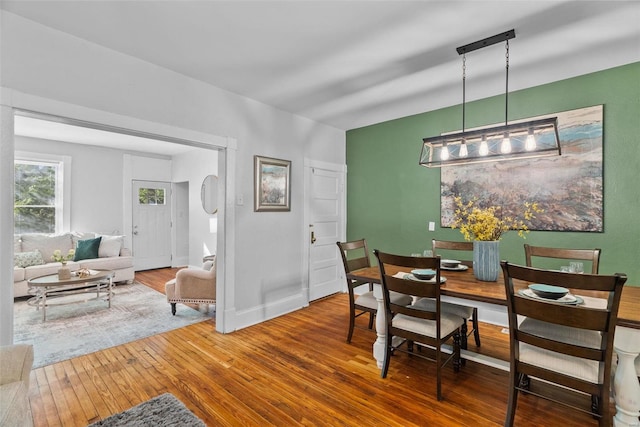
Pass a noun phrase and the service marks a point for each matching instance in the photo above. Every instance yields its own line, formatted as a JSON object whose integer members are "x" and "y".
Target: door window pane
{"x": 151, "y": 196}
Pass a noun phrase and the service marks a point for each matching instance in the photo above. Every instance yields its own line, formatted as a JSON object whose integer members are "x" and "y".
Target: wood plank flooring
{"x": 296, "y": 369}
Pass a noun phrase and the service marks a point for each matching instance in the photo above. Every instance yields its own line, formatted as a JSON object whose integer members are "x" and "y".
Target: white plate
{"x": 432, "y": 280}
{"x": 567, "y": 299}
{"x": 460, "y": 267}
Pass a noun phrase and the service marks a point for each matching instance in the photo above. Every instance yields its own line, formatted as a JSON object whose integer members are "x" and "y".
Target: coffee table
{"x": 47, "y": 289}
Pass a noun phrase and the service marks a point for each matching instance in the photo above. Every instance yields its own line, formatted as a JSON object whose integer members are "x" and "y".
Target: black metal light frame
{"x": 528, "y": 139}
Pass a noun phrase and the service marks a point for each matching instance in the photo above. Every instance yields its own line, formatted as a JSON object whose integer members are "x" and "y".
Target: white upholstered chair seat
{"x": 587, "y": 370}
{"x": 448, "y": 324}
{"x": 429, "y": 304}
{"x": 368, "y": 300}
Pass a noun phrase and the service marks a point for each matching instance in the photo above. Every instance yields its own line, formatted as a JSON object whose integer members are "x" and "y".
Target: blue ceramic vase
{"x": 486, "y": 260}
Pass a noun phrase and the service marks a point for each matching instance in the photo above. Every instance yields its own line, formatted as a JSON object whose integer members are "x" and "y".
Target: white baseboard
{"x": 259, "y": 314}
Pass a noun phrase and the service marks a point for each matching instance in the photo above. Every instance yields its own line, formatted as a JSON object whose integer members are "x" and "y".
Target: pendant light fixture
{"x": 536, "y": 138}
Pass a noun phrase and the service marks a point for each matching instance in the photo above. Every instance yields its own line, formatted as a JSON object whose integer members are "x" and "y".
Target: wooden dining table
{"x": 462, "y": 285}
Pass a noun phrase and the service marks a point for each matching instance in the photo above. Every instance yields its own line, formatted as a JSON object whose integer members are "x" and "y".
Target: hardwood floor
{"x": 296, "y": 369}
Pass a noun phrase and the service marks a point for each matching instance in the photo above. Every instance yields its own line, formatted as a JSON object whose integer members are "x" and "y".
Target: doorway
{"x": 120, "y": 125}
{"x": 151, "y": 224}
{"x": 325, "y": 202}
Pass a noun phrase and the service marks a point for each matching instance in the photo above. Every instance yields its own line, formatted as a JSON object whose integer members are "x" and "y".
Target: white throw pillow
{"x": 110, "y": 246}
{"x": 46, "y": 244}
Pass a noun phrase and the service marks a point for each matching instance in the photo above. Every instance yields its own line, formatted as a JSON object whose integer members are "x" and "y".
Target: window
{"x": 151, "y": 196}
{"x": 38, "y": 194}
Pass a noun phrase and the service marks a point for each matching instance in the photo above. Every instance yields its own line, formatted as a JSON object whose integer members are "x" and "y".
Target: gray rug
{"x": 136, "y": 312}
{"x": 164, "y": 410}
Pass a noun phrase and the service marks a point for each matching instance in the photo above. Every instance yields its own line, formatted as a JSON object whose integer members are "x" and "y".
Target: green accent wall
{"x": 391, "y": 199}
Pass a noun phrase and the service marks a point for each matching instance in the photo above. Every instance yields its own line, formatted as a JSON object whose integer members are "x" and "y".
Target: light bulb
{"x": 484, "y": 148}
{"x": 463, "y": 150}
{"x": 530, "y": 143}
{"x": 444, "y": 153}
{"x": 505, "y": 147}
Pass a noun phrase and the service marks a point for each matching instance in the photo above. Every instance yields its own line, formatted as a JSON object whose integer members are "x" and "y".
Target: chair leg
{"x": 513, "y": 398}
{"x": 173, "y": 308}
{"x": 457, "y": 360}
{"x": 438, "y": 371}
{"x": 371, "y": 318}
{"x": 476, "y": 331}
{"x": 352, "y": 320}
{"x": 463, "y": 338}
{"x": 600, "y": 410}
{"x": 524, "y": 381}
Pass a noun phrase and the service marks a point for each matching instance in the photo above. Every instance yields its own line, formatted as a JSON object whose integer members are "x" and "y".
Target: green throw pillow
{"x": 87, "y": 249}
{"x": 27, "y": 259}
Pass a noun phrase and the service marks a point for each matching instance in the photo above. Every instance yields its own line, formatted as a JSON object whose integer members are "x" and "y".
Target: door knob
{"x": 313, "y": 237}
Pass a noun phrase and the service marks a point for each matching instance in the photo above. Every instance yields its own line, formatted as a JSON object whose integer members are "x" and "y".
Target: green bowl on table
{"x": 423, "y": 274}
{"x": 548, "y": 291}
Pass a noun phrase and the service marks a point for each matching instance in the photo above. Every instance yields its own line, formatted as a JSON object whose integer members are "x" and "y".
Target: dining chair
{"x": 415, "y": 325}
{"x": 592, "y": 255}
{"x": 562, "y": 351}
{"x": 355, "y": 255}
{"x": 465, "y": 311}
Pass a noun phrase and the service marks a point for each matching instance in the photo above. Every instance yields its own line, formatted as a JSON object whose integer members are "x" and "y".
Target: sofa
{"x": 33, "y": 256}
{"x": 15, "y": 369}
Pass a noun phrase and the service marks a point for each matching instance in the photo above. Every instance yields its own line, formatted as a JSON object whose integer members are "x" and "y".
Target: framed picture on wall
{"x": 272, "y": 185}
{"x": 568, "y": 187}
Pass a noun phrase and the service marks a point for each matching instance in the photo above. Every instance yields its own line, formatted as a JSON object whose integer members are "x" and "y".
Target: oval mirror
{"x": 209, "y": 194}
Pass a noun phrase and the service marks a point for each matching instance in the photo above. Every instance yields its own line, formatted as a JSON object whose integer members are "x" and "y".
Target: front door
{"x": 326, "y": 222}
{"x": 151, "y": 234}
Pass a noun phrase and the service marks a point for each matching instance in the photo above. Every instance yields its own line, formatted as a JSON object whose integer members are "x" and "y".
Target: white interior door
{"x": 151, "y": 233}
{"x": 326, "y": 222}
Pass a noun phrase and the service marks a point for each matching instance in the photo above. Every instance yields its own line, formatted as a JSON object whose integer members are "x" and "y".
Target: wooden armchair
{"x": 193, "y": 286}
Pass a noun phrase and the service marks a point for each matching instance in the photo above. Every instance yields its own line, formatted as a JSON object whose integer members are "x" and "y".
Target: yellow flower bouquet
{"x": 486, "y": 224}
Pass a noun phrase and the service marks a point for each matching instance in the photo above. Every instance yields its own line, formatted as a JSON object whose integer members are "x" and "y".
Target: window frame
{"x": 63, "y": 184}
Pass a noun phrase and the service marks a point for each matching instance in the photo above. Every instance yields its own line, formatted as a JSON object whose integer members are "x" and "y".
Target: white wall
{"x": 193, "y": 167}
{"x": 96, "y": 183}
{"x": 268, "y": 264}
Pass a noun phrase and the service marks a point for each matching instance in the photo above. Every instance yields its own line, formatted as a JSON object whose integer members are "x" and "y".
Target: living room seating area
{"x": 33, "y": 252}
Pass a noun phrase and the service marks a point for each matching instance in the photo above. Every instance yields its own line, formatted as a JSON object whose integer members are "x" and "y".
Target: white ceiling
{"x": 354, "y": 63}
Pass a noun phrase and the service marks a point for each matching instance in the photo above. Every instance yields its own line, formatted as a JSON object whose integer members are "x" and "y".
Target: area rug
{"x": 164, "y": 410}
{"x": 71, "y": 330}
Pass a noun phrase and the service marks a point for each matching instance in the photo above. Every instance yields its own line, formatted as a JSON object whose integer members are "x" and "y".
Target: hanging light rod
{"x": 498, "y": 38}
{"x": 525, "y": 139}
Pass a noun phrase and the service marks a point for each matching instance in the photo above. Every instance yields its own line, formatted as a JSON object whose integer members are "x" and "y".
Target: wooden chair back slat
{"x": 451, "y": 245}
{"x": 591, "y": 255}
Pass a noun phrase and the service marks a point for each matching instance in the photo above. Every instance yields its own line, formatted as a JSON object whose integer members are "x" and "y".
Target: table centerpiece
{"x": 485, "y": 227}
{"x": 64, "y": 273}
